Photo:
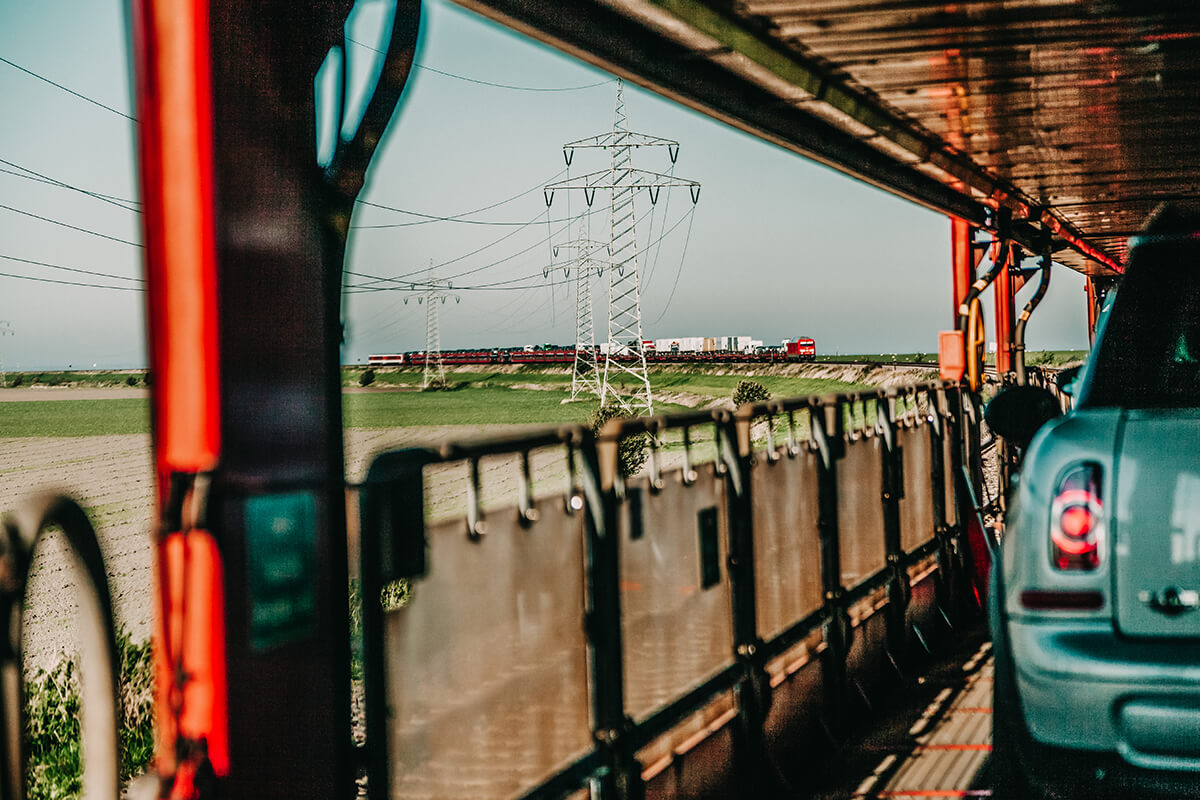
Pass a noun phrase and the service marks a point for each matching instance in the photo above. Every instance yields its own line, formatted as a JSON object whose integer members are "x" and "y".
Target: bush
{"x": 17, "y": 380}
{"x": 750, "y": 392}
{"x": 631, "y": 450}
{"x": 132, "y": 380}
{"x": 52, "y": 730}
{"x": 367, "y": 377}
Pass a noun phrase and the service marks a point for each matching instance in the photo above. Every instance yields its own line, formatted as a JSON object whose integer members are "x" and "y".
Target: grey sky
{"x": 779, "y": 246}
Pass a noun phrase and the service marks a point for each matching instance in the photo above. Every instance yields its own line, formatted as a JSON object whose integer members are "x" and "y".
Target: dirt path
{"x": 72, "y": 393}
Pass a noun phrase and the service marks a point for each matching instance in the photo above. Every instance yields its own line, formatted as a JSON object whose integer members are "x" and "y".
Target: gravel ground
{"x": 113, "y": 478}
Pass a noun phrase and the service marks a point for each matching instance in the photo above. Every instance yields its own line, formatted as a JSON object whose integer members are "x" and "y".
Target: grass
{"x": 52, "y": 730}
{"x": 74, "y": 417}
{"x": 468, "y": 406}
{"x": 85, "y": 378}
{"x": 485, "y": 397}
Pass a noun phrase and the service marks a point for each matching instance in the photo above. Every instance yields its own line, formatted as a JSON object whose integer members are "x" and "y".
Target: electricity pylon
{"x": 585, "y": 374}
{"x": 436, "y": 292}
{"x": 626, "y": 358}
{"x": 5, "y": 330}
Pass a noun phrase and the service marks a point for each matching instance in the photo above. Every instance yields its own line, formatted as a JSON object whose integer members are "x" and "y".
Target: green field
{"x": 74, "y": 417}
{"x": 524, "y": 396}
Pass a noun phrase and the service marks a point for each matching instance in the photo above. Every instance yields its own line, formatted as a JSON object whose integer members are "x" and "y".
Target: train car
{"x": 801, "y": 349}
{"x": 386, "y": 360}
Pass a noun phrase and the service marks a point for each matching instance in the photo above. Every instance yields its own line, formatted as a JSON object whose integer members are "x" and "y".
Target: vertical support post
{"x": 753, "y": 691}
{"x": 891, "y": 491}
{"x": 938, "y": 429}
{"x": 828, "y": 432}
{"x": 176, "y": 164}
{"x": 962, "y": 263}
{"x": 622, "y": 780}
{"x": 1093, "y": 308}
{"x": 1005, "y": 314}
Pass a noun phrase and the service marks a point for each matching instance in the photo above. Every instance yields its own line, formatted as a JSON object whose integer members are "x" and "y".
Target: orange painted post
{"x": 1092, "y": 310}
{"x": 175, "y": 158}
{"x": 1003, "y": 301}
{"x": 951, "y": 348}
{"x": 962, "y": 263}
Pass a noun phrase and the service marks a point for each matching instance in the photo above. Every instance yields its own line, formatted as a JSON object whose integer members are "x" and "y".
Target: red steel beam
{"x": 175, "y": 158}
{"x": 962, "y": 263}
{"x": 1003, "y": 301}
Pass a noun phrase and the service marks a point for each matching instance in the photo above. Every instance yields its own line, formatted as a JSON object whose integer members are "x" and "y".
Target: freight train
{"x": 796, "y": 350}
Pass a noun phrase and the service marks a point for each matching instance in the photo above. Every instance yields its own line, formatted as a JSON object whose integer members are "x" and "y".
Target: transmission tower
{"x": 5, "y": 330}
{"x": 585, "y": 375}
{"x": 626, "y": 359}
{"x": 436, "y": 293}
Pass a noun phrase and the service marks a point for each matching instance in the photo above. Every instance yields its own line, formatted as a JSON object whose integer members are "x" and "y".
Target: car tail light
{"x": 1077, "y": 520}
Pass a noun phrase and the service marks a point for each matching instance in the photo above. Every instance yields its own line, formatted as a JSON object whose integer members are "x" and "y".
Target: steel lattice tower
{"x": 436, "y": 292}
{"x": 624, "y": 289}
{"x": 5, "y": 330}
{"x": 585, "y": 374}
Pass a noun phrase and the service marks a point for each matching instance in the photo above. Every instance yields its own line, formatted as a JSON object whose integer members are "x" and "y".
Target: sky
{"x": 776, "y": 247}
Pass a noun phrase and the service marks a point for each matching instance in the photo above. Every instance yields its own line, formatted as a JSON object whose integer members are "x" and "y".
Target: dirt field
{"x": 112, "y": 477}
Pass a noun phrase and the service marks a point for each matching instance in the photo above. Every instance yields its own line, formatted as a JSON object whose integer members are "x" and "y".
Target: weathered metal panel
{"x": 487, "y": 676}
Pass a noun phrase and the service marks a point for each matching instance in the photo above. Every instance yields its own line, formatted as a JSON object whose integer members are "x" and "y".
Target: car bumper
{"x": 1083, "y": 687}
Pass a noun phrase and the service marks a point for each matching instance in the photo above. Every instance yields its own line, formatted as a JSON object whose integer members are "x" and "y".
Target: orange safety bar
{"x": 175, "y": 150}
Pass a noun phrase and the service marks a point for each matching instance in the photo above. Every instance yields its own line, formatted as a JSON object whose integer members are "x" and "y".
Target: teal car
{"x": 1095, "y": 596}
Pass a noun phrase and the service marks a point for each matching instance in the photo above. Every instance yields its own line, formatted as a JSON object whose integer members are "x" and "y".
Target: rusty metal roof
{"x": 1079, "y": 115}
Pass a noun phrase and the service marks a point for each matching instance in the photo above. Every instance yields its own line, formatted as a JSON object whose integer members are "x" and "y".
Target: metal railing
{"x": 681, "y": 628}
{"x": 100, "y": 699}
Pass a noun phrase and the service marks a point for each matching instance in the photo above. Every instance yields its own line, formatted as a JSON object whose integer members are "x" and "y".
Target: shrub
{"x": 132, "y": 380}
{"x": 750, "y": 392}
{"x": 17, "y": 380}
{"x": 367, "y": 377}
{"x": 631, "y": 450}
{"x": 52, "y": 730}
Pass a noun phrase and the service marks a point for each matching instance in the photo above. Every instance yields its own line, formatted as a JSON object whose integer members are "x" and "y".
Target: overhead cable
{"x": 72, "y": 283}
{"x": 489, "y": 83}
{"x": 68, "y": 91}
{"x": 72, "y": 227}
{"x": 72, "y": 269}
{"x": 37, "y": 176}
{"x": 427, "y": 218}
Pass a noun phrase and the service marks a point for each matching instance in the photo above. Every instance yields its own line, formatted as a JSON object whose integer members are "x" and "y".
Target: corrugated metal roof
{"x": 1080, "y": 114}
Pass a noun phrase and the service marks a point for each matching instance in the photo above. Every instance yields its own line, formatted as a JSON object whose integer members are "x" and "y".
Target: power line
{"x": 68, "y": 91}
{"x": 361, "y": 288}
{"x": 37, "y": 176}
{"x": 453, "y": 217}
{"x": 72, "y": 227}
{"x": 72, "y": 269}
{"x": 487, "y": 83}
{"x": 678, "y": 272}
{"x": 71, "y": 283}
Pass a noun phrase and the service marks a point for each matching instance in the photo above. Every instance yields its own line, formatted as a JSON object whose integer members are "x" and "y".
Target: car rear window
{"x": 1149, "y": 352}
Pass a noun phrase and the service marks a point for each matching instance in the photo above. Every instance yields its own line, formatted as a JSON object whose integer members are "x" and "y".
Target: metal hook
{"x": 526, "y": 508}
{"x": 574, "y": 498}
{"x": 689, "y": 474}
{"x": 476, "y": 526}
{"x": 772, "y": 454}
{"x": 656, "y": 481}
{"x": 793, "y": 449}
